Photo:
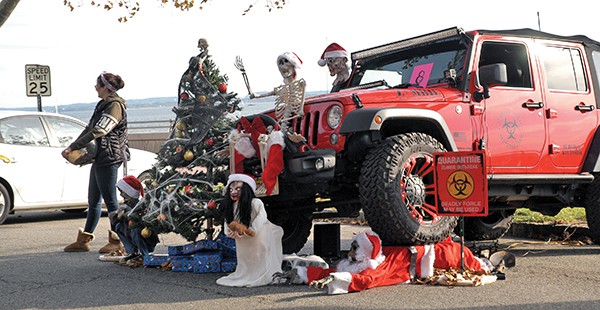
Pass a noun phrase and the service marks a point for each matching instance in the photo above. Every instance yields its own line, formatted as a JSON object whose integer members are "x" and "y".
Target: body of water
{"x": 163, "y": 114}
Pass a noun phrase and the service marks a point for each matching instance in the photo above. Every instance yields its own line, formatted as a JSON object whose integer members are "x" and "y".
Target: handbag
{"x": 84, "y": 155}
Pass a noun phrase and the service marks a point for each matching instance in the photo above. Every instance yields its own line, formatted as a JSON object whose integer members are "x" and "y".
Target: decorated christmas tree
{"x": 193, "y": 163}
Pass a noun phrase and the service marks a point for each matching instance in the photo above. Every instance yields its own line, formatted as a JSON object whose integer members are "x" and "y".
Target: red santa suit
{"x": 390, "y": 265}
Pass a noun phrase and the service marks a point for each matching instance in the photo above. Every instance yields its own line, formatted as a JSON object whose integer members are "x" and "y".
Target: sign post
{"x": 37, "y": 82}
{"x": 461, "y": 186}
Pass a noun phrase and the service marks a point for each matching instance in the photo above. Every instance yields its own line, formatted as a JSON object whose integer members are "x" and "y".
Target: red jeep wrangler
{"x": 527, "y": 98}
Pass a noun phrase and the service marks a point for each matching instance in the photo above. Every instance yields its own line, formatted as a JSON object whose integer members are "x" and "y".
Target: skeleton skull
{"x": 286, "y": 68}
{"x": 202, "y": 44}
{"x": 337, "y": 65}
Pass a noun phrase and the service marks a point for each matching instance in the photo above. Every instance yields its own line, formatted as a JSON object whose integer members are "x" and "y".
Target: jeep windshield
{"x": 440, "y": 61}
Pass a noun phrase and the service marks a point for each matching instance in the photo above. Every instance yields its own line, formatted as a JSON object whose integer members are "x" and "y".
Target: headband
{"x": 106, "y": 83}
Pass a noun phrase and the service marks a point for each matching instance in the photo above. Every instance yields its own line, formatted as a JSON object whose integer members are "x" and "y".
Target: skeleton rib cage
{"x": 289, "y": 103}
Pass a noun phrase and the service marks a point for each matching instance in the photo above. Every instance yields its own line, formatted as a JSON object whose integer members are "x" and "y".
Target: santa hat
{"x": 332, "y": 51}
{"x": 131, "y": 186}
{"x": 369, "y": 248}
{"x": 242, "y": 178}
{"x": 293, "y": 59}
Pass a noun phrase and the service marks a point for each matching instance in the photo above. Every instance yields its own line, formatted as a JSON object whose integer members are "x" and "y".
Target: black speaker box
{"x": 326, "y": 239}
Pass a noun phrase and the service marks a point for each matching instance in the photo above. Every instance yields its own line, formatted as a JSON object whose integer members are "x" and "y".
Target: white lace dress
{"x": 258, "y": 257}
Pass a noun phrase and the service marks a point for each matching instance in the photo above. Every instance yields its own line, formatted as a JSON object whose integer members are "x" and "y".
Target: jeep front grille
{"x": 308, "y": 127}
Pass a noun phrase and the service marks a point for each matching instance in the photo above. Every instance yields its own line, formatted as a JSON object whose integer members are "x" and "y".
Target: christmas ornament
{"x": 188, "y": 155}
{"x": 146, "y": 232}
{"x": 223, "y": 88}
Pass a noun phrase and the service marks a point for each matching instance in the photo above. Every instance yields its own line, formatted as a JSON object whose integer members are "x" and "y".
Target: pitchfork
{"x": 240, "y": 66}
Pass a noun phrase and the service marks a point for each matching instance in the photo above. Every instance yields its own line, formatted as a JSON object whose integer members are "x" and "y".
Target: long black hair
{"x": 244, "y": 206}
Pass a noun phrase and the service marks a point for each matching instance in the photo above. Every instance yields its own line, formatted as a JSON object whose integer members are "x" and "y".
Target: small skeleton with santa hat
{"x": 370, "y": 265}
{"x": 136, "y": 243}
{"x": 289, "y": 103}
{"x": 336, "y": 58}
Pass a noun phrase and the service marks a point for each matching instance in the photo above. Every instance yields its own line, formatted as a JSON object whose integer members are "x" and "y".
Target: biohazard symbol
{"x": 511, "y": 127}
{"x": 460, "y": 185}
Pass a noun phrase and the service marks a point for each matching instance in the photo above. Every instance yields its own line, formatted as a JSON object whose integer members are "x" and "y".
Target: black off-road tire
{"x": 296, "y": 229}
{"x": 396, "y": 204}
{"x": 592, "y": 208}
{"x": 5, "y": 203}
{"x": 491, "y": 227}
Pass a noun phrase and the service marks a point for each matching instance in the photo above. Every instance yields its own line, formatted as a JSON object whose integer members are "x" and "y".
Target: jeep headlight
{"x": 334, "y": 116}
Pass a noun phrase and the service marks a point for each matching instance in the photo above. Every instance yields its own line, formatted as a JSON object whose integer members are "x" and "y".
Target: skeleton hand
{"x": 286, "y": 277}
{"x": 321, "y": 283}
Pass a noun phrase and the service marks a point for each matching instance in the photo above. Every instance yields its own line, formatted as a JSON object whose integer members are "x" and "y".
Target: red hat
{"x": 131, "y": 186}
{"x": 292, "y": 58}
{"x": 332, "y": 51}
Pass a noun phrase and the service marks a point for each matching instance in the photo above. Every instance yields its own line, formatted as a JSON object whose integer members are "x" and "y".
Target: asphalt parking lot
{"x": 37, "y": 274}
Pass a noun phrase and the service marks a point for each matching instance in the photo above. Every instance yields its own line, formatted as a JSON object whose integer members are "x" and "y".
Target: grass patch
{"x": 565, "y": 216}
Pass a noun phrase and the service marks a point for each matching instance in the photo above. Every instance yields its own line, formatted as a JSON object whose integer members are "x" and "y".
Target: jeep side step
{"x": 514, "y": 179}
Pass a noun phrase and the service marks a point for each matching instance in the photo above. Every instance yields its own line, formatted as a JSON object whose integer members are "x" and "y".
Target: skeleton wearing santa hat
{"x": 289, "y": 105}
{"x": 136, "y": 245}
{"x": 336, "y": 58}
{"x": 370, "y": 265}
{"x": 290, "y": 96}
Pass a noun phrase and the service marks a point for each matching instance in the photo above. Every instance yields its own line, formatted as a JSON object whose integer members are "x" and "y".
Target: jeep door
{"x": 513, "y": 122}
{"x": 569, "y": 102}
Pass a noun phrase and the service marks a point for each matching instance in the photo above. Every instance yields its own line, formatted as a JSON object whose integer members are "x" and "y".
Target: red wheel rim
{"x": 417, "y": 185}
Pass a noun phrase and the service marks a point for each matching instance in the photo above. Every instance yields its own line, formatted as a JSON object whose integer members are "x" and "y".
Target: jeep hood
{"x": 409, "y": 96}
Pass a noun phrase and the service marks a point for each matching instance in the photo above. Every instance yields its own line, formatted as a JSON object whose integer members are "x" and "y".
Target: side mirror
{"x": 489, "y": 76}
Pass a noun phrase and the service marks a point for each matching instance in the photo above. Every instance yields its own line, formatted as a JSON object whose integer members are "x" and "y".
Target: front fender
{"x": 373, "y": 120}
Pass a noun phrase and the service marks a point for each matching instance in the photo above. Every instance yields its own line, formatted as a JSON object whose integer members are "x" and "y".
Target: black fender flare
{"x": 592, "y": 158}
{"x": 362, "y": 120}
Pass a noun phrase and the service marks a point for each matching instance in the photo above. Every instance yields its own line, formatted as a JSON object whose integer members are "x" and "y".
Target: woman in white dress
{"x": 257, "y": 240}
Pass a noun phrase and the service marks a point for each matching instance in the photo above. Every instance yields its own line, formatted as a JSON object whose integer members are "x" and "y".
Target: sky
{"x": 152, "y": 50}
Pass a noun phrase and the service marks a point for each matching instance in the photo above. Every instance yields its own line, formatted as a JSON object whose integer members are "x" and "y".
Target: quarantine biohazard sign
{"x": 461, "y": 183}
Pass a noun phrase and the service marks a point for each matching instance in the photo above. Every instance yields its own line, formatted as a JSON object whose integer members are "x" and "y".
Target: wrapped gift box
{"x": 209, "y": 261}
{"x": 226, "y": 244}
{"x": 156, "y": 259}
{"x": 182, "y": 263}
{"x": 228, "y": 264}
{"x": 194, "y": 247}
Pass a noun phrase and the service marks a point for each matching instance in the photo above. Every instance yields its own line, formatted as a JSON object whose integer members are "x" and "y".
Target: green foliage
{"x": 194, "y": 162}
{"x": 566, "y": 215}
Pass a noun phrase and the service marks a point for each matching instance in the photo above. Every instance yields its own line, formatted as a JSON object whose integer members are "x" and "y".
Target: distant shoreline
{"x": 138, "y": 103}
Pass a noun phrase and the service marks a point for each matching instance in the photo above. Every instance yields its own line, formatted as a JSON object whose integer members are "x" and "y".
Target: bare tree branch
{"x": 6, "y": 8}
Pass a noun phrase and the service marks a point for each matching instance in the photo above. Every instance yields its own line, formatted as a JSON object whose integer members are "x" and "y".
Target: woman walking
{"x": 108, "y": 127}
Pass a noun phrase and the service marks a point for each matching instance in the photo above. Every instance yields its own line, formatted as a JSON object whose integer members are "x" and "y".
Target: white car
{"x": 34, "y": 175}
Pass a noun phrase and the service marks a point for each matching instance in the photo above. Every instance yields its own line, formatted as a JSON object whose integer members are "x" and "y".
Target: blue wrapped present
{"x": 226, "y": 244}
{"x": 228, "y": 264}
{"x": 182, "y": 263}
{"x": 156, "y": 259}
{"x": 191, "y": 248}
{"x": 205, "y": 262}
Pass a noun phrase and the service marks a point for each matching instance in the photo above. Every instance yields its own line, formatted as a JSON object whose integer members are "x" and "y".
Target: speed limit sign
{"x": 37, "y": 80}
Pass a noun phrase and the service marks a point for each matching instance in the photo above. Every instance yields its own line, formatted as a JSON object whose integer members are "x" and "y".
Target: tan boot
{"x": 114, "y": 244}
{"x": 82, "y": 244}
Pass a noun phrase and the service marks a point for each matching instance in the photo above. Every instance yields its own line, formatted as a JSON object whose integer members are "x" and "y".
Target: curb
{"x": 545, "y": 231}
